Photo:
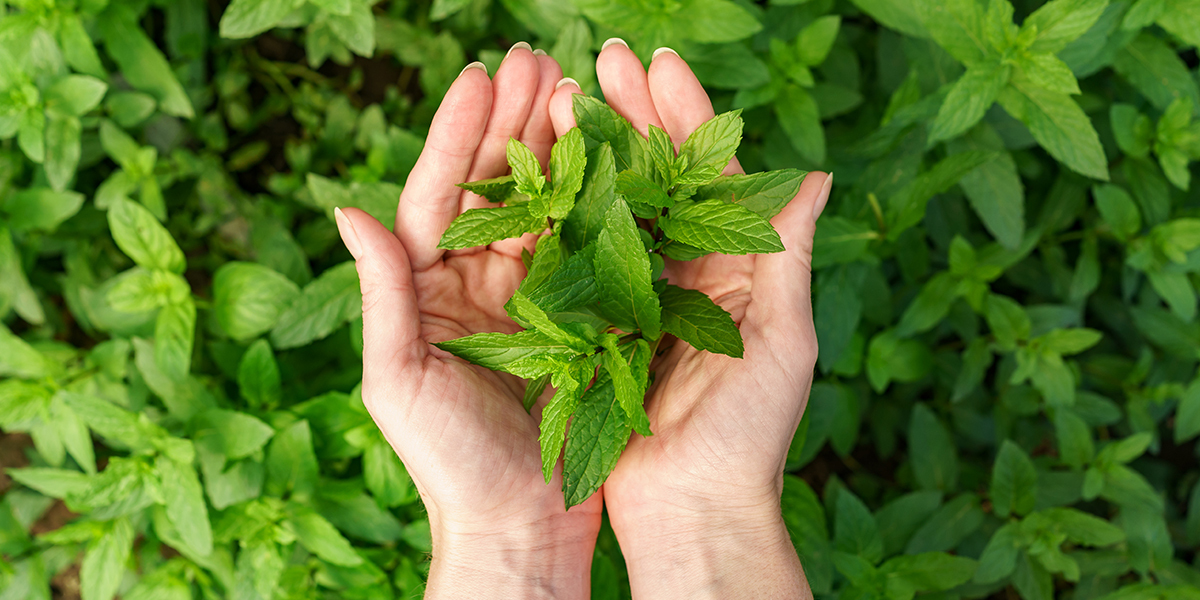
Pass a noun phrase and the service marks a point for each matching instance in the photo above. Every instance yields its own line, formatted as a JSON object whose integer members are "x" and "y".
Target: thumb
{"x": 782, "y": 289}
{"x": 392, "y": 344}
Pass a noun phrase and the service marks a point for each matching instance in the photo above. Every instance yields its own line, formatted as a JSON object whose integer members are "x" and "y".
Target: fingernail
{"x": 822, "y": 197}
{"x": 611, "y": 41}
{"x": 524, "y": 45}
{"x": 349, "y": 235}
{"x": 539, "y": 52}
{"x": 566, "y": 81}
{"x": 662, "y": 50}
{"x": 474, "y": 65}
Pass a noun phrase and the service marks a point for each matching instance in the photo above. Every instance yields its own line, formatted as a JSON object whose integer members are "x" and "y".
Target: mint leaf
{"x": 248, "y": 298}
{"x": 800, "y": 118}
{"x": 103, "y": 564}
{"x": 323, "y": 306}
{"x": 623, "y": 275}
{"x": 906, "y": 207}
{"x": 248, "y": 18}
{"x": 1059, "y": 126}
{"x": 1014, "y": 481}
{"x": 816, "y": 39}
{"x": 320, "y": 537}
{"x": 184, "y": 499}
{"x": 523, "y": 310}
{"x": 570, "y": 382}
{"x": 174, "y": 333}
{"x": 547, "y": 257}
{"x": 142, "y": 63}
{"x": 567, "y": 165}
{"x": 495, "y": 350}
{"x": 533, "y": 390}
{"x": 717, "y": 21}
{"x": 765, "y": 194}
{"x": 694, "y": 318}
{"x": 526, "y": 171}
{"x": 583, "y": 225}
{"x": 1060, "y": 22}
{"x": 957, "y": 26}
{"x": 482, "y": 226}
{"x": 631, "y": 394}
{"x": 662, "y": 151}
{"x": 496, "y": 189}
{"x": 599, "y": 432}
{"x": 571, "y": 285}
{"x": 599, "y": 123}
{"x": 719, "y": 227}
{"x": 639, "y": 188}
{"x": 258, "y": 377}
{"x": 140, "y": 236}
{"x": 969, "y": 98}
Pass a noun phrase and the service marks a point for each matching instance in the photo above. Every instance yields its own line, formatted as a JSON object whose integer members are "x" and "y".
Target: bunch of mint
{"x": 594, "y": 305}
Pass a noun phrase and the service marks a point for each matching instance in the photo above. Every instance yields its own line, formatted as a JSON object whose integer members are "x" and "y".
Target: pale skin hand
{"x": 499, "y": 531}
{"x": 696, "y": 506}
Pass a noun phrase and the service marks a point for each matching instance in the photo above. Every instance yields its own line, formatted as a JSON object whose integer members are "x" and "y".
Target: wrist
{"x": 547, "y": 557}
{"x": 695, "y": 550}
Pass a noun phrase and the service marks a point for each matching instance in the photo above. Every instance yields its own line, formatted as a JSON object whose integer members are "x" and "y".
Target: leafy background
{"x": 1006, "y": 278}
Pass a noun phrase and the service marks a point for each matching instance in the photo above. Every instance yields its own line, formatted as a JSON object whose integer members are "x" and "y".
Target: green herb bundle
{"x": 594, "y": 305}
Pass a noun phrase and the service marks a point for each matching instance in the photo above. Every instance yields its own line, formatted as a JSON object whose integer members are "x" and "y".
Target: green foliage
{"x": 1005, "y": 282}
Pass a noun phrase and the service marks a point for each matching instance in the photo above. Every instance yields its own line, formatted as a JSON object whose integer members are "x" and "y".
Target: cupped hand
{"x": 713, "y": 470}
{"x": 460, "y": 430}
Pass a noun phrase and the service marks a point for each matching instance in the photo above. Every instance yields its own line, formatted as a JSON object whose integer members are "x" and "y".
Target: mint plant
{"x": 594, "y": 305}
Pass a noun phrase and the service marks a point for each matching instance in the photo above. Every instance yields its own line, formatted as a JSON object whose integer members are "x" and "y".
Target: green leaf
{"x": 1047, "y": 72}
{"x": 1075, "y": 445}
{"x": 932, "y": 453}
{"x": 1083, "y": 528}
{"x": 692, "y": 317}
{"x": 930, "y": 306}
{"x": 569, "y": 383}
{"x": 73, "y": 432}
{"x": 765, "y": 194}
{"x": 969, "y": 98}
{"x": 248, "y": 18}
{"x": 17, "y": 294}
{"x": 232, "y": 434}
{"x": 817, "y": 39}
{"x": 600, "y": 123}
{"x": 800, "y": 118}
{"x": 571, "y": 285}
{"x": 495, "y": 350}
{"x": 174, "y": 333}
{"x": 140, "y": 236}
{"x": 1187, "y": 416}
{"x": 957, "y": 26}
{"x": 900, "y": 518}
{"x": 638, "y": 188}
{"x": 40, "y": 208}
{"x": 482, "y": 226}
{"x": 716, "y": 21}
{"x": 248, "y": 298}
{"x": 55, "y": 483}
{"x": 324, "y": 305}
{"x": 386, "y": 476}
{"x": 599, "y": 431}
{"x": 184, "y": 499}
{"x": 999, "y": 557}
{"x": 714, "y": 142}
{"x": 1059, "y": 22}
{"x": 142, "y": 63}
{"x": 319, "y": 536}
{"x": 75, "y": 95}
{"x": 623, "y": 275}
{"x": 496, "y": 189}
{"x": 62, "y": 149}
{"x": 583, "y": 225}
{"x": 103, "y": 565}
{"x": 258, "y": 377}
{"x": 567, "y": 165}
{"x": 1059, "y": 126}
{"x": 1070, "y": 341}
{"x": 906, "y": 207}
{"x": 927, "y": 572}
{"x": 1014, "y": 481}
{"x": 630, "y": 387}
{"x": 77, "y": 47}
{"x": 855, "y": 530}
{"x": 891, "y": 358}
{"x": 526, "y": 312}
{"x": 291, "y": 463}
{"x": 1007, "y": 319}
{"x": 719, "y": 227}
{"x": 534, "y": 389}
{"x": 356, "y": 30}
{"x": 948, "y": 527}
{"x": 1132, "y": 129}
{"x": 527, "y": 172}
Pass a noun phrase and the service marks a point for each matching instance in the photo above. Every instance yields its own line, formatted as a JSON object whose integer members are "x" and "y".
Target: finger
{"x": 391, "y": 321}
{"x": 539, "y": 136}
{"x": 781, "y": 302}
{"x": 562, "y": 113}
{"x": 513, "y": 89}
{"x": 623, "y": 81}
{"x": 680, "y": 100}
{"x": 430, "y": 200}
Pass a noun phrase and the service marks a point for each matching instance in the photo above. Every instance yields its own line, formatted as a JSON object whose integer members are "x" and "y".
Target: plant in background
{"x": 593, "y": 297}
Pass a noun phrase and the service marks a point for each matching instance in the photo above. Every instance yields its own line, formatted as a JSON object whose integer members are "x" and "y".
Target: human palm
{"x": 460, "y": 429}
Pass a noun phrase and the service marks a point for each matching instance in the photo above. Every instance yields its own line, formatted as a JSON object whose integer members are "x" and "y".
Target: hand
{"x": 696, "y": 506}
{"x": 499, "y": 531}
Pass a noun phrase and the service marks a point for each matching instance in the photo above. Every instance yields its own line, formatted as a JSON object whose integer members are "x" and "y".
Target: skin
{"x": 696, "y": 506}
